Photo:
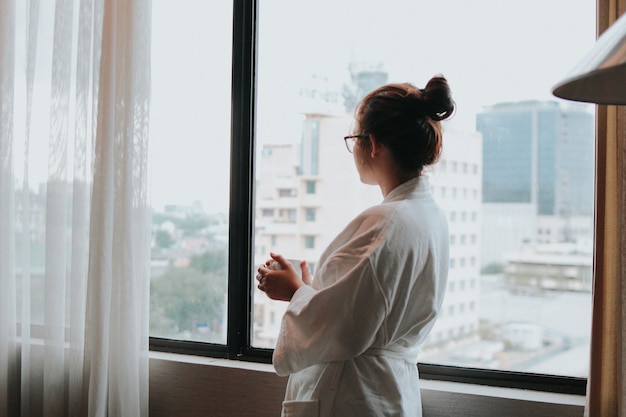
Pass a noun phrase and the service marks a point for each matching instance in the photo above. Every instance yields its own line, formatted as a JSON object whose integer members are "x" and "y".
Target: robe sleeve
{"x": 344, "y": 317}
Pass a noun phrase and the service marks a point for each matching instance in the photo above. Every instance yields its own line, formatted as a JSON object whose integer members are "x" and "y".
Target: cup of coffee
{"x": 295, "y": 262}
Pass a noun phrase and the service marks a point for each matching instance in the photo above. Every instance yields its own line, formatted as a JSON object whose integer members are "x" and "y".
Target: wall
{"x": 190, "y": 386}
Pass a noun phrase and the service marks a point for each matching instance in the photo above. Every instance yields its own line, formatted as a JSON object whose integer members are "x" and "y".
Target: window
{"x": 309, "y": 148}
{"x": 189, "y": 154}
{"x": 300, "y": 115}
{"x": 286, "y": 192}
{"x": 287, "y": 215}
{"x": 310, "y": 187}
{"x": 309, "y": 214}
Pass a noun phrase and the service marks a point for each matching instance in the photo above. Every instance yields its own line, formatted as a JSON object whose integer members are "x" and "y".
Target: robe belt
{"x": 409, "y": 356}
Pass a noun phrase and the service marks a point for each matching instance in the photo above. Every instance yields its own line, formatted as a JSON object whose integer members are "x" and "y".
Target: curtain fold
{"x": 606, "y": 386}
{"x": 606, "y": 395}
{"x": 8, "y": 328}
{"x": 74, "y": 220}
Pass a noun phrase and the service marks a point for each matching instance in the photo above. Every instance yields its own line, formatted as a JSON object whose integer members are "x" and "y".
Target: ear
{"x": 374, "y": 146}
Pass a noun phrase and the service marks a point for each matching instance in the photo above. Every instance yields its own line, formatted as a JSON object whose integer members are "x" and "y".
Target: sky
{"x": 490, "y": 51}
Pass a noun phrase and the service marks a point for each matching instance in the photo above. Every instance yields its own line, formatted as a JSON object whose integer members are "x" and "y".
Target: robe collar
{"x": 413, "y": 187}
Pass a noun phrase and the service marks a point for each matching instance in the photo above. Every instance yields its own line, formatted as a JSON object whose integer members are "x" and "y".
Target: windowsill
{"x": 203, "y": 360}
{"x": 430, "y": 385}
{"x": 500, "y": 392}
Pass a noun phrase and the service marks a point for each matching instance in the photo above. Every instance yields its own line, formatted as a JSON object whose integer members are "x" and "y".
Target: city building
{"x": 308, "y": 191}
{"x": 562, "y": 267}
{"x": 538, "y": 165}
{"x": 456, "y": 185}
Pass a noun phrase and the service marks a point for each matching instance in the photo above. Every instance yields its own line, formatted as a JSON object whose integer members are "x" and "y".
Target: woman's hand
{"x": 281, "y": 284}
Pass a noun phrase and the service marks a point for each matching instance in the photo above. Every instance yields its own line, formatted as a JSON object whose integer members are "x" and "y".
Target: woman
{"x": 349, "y": 339}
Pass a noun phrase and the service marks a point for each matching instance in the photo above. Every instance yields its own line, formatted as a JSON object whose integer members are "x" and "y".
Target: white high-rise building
{"x": 309, "y": 190}
{"x": 456, "y": 186}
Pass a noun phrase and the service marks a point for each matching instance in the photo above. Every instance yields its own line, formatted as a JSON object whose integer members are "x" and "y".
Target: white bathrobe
{"x": 350, "y": 341}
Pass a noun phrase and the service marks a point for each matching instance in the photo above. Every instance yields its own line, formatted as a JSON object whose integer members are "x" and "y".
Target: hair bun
{"x": 437, "y": 98}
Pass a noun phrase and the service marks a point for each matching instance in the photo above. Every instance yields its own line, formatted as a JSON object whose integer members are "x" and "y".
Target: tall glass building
{"x": 540, "y": 153}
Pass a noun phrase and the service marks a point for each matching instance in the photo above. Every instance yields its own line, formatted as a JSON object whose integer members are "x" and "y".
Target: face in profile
{"x": 361, "y": 155}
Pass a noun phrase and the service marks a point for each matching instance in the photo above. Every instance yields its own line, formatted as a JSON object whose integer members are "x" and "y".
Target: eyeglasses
{"x": 350, "y": 140}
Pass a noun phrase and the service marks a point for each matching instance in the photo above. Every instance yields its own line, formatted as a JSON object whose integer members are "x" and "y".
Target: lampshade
{"x": 601, "y": 76}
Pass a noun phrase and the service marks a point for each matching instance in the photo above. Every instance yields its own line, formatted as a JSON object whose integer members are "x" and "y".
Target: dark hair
{"x": 406, "y": 120}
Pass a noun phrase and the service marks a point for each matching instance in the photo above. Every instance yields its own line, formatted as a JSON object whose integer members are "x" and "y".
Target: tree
{"x": 183, "y": 298}
{"x": 163, "y": 239}
{"x": 211, "y": 261}
{"x": 492, "y": 268}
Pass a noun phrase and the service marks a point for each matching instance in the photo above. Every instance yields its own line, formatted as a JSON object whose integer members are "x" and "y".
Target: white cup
{"x": 295, "y": 262}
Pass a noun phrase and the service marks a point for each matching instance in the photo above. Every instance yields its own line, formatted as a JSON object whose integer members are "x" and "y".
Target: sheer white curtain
{"x": 74, "y": 223}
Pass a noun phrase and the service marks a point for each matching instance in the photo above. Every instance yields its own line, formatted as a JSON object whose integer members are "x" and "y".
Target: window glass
{"x": 310, "y": 214}
{"x": 310, "y": 187}
{"x": 189, "y": 154}
{"x": 517, "y": 164}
